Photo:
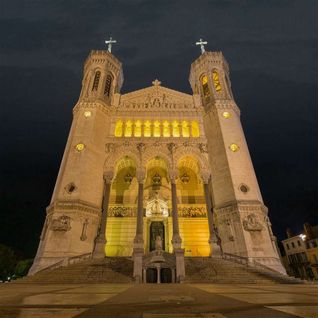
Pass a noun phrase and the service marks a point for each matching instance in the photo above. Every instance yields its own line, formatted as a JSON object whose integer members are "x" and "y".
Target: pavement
{"x": 157, "y": 301}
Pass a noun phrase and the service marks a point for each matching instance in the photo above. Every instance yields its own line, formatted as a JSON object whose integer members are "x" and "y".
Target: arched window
{"x": 185, "y": 129}
{"x": 108, "y": 85}
{"x": 216, "y": 81}
{"x": 119, "y": 128}
{"x": 147, "y": 128}
{"x": 96, "y": 81}
{"x": 175, "y": 129}
{"x": 166, "y": 129}
{"x": 195, "y": 131}
{"x": 137, "y": 130}
{"x": 205, "y": 86}
{"x": 128, "y": 128}
{"x": 156, "y": 129}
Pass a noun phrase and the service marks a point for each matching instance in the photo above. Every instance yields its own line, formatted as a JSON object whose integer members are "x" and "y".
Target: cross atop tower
{"x": 156, "y": 82}
{"x": 202, "y": 43}
{"x": 110, "y": 42}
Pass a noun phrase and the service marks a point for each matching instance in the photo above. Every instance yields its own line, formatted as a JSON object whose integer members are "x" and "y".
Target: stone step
{"x": 218, "y": 270}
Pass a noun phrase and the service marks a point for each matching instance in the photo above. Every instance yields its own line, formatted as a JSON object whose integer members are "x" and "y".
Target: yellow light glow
{"x": 156, "y": 129}
{"x": 87, "y": 114}
{"x": 80, "y": 147}
{"x": 147, "y": 128}
{"x": 119, "y": 128}
{"x": 204, "y": 80}
{"x": 128, "y": 128}
{"x": 166, "y": 129}
{"x": 175, "y": 129}
{"x": 226, "y": 115}
{"x": 185, "y": 129}
{"x": 137, "y": 130}
{"x": 195, "y": 131}
{"x": 216, "y": 81}
{"x": 234, "y": 147}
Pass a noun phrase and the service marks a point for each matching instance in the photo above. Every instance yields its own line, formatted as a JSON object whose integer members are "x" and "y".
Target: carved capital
{"x": 108, "y": 176}
{"x": 141, "y": 175}
{"x": 205, "y": 175}
{"x": 173, "y": 175}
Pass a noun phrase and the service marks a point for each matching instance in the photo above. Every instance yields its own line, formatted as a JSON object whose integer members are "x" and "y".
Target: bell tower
{"x": 74, "y": 214}
{"x": 239, "y": 212}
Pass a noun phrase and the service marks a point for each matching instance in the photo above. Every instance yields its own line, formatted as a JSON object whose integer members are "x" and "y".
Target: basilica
{"x": 156, "y": 175}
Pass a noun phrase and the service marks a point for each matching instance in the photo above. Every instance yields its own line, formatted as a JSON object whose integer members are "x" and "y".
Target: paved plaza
{"x": 157, "y": 301}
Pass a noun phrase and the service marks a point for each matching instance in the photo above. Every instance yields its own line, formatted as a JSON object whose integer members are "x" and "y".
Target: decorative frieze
{"x": 192, "y": 212}
{"x": 121, "y": 211}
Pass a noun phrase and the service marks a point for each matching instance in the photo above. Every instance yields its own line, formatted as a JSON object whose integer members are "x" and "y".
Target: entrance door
{"x": 157, "y": 228}
{"x": 166, "y": 275}
{"x": 151, "y": 275}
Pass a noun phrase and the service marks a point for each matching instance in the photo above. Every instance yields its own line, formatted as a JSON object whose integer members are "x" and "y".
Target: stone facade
{"x": 156, "y": 162}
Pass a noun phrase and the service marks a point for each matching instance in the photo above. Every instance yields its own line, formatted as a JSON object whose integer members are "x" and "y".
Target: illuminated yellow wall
{"x": 120, "y": 233}
{"x": 157, "y": 128}
{"x": 195, "y": 236}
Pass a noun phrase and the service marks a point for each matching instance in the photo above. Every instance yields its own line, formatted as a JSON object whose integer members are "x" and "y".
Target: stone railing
{"x": 67, "y": 261}
{"x": 248, "y": 262}
{"x": 236, "y": 258}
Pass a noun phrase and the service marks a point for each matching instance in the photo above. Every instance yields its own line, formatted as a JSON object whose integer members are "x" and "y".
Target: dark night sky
{"x": 272, "y": 49}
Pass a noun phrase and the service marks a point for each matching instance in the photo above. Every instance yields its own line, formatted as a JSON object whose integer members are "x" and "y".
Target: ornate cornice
{"x": 98, "y": 104}
{"x": 73, "y": 205}
{"x": 242, "y": 206}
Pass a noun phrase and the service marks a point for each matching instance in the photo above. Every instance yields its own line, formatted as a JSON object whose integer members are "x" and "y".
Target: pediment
{"x": 156, "y": 98}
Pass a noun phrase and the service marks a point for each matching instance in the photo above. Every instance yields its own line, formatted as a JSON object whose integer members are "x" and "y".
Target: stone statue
{"x": 158, "y": 243}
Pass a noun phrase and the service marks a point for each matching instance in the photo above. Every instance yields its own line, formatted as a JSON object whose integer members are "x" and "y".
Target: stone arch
{"x": 152, "y": 152}
{"x": 195, "y": 153}
{"x": 114, "y": 157}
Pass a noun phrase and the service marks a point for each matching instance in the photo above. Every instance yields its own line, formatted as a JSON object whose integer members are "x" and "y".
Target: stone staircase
{"x": 221, "y": 271}
{"x": 107, "y": 270}
{"x": 198, "y": 270}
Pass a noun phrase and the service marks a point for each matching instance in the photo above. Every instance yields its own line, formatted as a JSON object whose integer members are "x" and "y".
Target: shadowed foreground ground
{"x": 158, "y": 301}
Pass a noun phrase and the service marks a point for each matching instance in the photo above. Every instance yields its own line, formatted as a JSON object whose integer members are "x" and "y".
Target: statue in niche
{"x": 157, "y": 207}
{"x": 158, "y": 243}
{"x": 62, "y": 223}
{"x": 251, "y": 223}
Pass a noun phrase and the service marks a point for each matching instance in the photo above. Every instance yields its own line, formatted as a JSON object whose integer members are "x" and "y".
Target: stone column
{"x": 158, "y": 274}
{"x": 176, "y": 239}
{"x": 138, "y": 250}
{"x": 215, "y": 249}
{"x": 100, "y": 241}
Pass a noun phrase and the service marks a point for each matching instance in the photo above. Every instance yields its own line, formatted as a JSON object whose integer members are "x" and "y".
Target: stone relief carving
{"x": 251, "y": 223}
{"x": 120, "y": 211}
{"x": 157, "y": 98}
{"x": 84, "y": 229}
{"x": 192, "y": 212}
{"x": 203, "y": 148}
{"x": 62, "y": 223}
{"x": 110, "y": 147}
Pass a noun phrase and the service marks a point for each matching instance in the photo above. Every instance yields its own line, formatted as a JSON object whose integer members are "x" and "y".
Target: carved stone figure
{"x": 158, "y": 243}
{"x": 62, "y": 223}
{"x": 251, "y": 223}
